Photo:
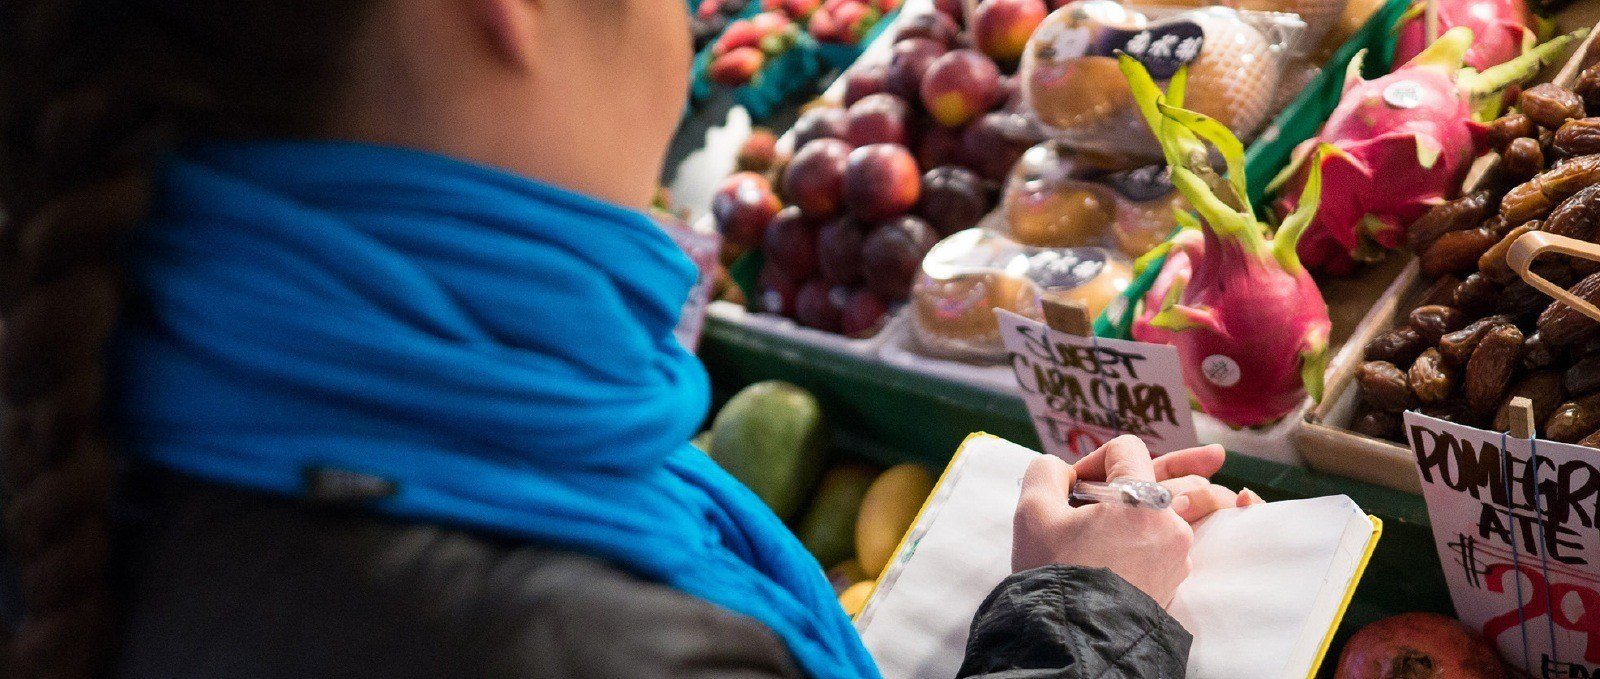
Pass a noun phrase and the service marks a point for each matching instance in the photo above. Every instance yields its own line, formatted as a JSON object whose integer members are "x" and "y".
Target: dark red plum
{"x": 953, "y": 199}
{"x": 742, "y": 206}
{"x": 939, "y": 145}
{"x": 991, "y": 145}
{"x": 935, "y": 26}
{"x": 791, "y": 244}
{"x": 881, "y": 181}
{"x": 892, "y": 254}
{"x": 839, "y": 251}
{"x": 880, "y": 118}
{"x": 815, "y": 306}
{"x": 908, "y": 62}
{"x": 818, "y": 123}
{"x": 814, "y": 180}
{"x": 862, "y": 313}
{"x": 862, "y": 81}
{"x": 778, "y": 291}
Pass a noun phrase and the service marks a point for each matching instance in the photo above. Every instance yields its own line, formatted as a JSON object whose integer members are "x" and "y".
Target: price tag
{"x": 1083, "y": 391}
{"x": 1514, "y": 521}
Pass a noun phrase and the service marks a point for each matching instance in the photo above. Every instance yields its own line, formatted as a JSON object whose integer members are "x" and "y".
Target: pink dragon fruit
{"x": 1501, "y": 28}
{"x": 1399, "y": 145}
{"x": 1250, "y": 325}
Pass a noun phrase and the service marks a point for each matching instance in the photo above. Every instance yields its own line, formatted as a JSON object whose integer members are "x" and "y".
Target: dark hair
{"x": 92, "y": 94}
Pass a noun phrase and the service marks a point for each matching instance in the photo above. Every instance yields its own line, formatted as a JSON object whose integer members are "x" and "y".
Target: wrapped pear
{"x": 973, "y": 272}
{"x": 1056, "y": 198}
{"x": 1071, "y": 82}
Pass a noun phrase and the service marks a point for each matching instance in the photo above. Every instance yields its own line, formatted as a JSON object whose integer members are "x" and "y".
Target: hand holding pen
{"x": 1145, "y": 545}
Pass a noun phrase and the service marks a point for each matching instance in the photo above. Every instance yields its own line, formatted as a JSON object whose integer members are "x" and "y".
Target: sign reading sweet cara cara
{"x": 1084, "y": 391}
{"x": 1515, "y": 523}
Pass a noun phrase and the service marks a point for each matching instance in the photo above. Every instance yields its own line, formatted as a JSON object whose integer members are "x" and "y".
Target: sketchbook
{"x": 1268, "y": 588}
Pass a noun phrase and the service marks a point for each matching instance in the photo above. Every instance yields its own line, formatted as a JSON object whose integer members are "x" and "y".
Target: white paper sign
{"x": 1084, "y": 391}
{"x": 1515, "y": 525}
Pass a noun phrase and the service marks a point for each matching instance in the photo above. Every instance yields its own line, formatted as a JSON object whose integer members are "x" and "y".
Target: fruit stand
{"x": 892, "y": 396}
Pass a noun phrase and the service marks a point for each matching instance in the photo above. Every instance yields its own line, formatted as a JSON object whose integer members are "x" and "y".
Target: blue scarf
{"x": 498, "y": 352}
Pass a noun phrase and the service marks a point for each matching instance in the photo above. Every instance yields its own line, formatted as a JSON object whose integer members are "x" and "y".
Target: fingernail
{"x": 1250, "y": 498}
{"x": 1180, "y": 503}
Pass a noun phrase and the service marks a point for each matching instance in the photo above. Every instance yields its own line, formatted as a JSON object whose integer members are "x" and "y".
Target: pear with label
{"x": 1249, "y": 323}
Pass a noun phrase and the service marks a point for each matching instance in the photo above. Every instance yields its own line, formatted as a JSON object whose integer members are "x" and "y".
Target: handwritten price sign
{"x": 1515, "y": 523}
{"x": 1084, "y": 391}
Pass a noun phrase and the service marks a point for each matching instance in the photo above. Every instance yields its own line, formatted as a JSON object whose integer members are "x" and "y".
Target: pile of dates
{"x": 1480, "y": 336}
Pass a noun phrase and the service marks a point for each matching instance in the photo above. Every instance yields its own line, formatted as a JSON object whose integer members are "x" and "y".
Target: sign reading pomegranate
{"x": 1517, "y": 526}
{"x": 1085, "y": 391}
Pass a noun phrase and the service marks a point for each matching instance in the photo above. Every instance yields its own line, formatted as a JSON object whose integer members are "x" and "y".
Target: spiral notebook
{"x": 1269, "y": 585}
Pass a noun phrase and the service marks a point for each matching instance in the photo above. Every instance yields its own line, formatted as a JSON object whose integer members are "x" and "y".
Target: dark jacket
{"x": 229, "y": 583}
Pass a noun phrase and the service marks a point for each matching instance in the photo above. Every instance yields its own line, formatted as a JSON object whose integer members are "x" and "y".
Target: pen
{"x": 1142, "y": 494}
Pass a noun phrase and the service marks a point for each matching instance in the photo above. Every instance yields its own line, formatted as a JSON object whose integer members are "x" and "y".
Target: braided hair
{"x": 93, "y": 93}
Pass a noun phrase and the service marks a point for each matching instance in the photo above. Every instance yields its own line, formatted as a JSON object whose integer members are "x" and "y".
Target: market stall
{"x": 905, "y": 198}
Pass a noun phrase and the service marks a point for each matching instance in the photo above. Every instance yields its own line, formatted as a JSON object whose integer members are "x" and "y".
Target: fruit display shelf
{"x": 889, "y": 415}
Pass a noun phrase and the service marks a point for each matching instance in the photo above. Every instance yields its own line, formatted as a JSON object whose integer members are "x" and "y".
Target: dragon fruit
{"x": 1398, "y": 145}
{"x": 1250, "y": 325}
{"x": 1501, "y": 28}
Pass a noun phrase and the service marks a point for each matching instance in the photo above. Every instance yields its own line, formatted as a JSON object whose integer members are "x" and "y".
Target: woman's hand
{"x": 1148, "y": 548}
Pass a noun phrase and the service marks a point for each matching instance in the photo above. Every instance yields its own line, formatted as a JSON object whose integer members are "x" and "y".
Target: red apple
{"x": 839, "y": 251}
{"x": 892, "y": 254}
{"x": 881, "y": 181}
{"x": 1001, "y": 28}
{"x": 863, "y": 81}
{"x": 737, "y": 67}
{"x": 880, "y": 118}
{"x": 1418, "y": 645}
{"x": 908, "y": 62}
{"x": 791, "y": 244}
{"x": 814, "y": 180}
{"x": 862, "y": 314}
{"x": 819, "y": 123}
{"x": 953, "y": 199}
{"x": 742, "y": 206}
{"x": 815, "y": 306}
{"x": 960, "y": 86}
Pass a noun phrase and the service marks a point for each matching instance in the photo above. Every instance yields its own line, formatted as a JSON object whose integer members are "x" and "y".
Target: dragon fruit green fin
{"x": 1446, "y": 53}
{"x": 1220, "y": 136}
{"x": 1492, "y": 80}
{"x": 1352, "y": 72}
{"x": 1284, "y": 244}
{"x": 1313, "y": 365}
{"x": 1428, "y": 150}
{"x": 1178, "y": 318}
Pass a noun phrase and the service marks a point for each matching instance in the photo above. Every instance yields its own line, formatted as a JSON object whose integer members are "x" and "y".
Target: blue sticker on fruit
{"x": 1162, "y": 49}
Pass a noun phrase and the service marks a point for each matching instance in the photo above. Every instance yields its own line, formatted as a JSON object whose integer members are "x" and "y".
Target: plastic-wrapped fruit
{"x": 1147, "y": 207}
{"x": 1233, "y": 71}
{"x": 966, "y": 276}
{"x": 1320, "y": 15}
{"x": 1046, "y": 205}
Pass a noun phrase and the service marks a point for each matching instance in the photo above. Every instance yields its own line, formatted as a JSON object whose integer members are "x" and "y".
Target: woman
{"x": 350, "y": 302}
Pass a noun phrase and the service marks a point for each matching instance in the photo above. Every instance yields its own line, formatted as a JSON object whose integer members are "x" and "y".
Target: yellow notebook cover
{"x": 1269, "y": 586}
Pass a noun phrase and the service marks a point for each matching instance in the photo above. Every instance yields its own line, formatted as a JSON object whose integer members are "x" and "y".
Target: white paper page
{"x": 1258, "y": 601}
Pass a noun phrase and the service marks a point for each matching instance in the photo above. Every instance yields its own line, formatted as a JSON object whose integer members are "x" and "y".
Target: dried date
{"x": 1457, "y": 347}
{"x": 1488, "y": 372}
{"x": 1435, "y": 321}
{"x": 1523, "y": 159}
{"x": 1399, "y": 346}
{"x": 1588, "y": 87}
{"x": 1537, "y": 353}
{"x": 1578, "y": 137}
{"x": 1534, "y": 198}
{"x": 1574, "y": 419}
{"x": 1592, "y": 440}
{"x": 1561, "y": 324}
{"x": 1493, "y": 263}
{"x": 1475, "y": 296}
{"x": 1577, "y": 216}
{"x": 1384, "y": 386}
{"x": 1453, "y": 410}
{"x": 1430, "y": 380}
{"x": 1379, "y": 425}
{"x": 1522, "y": 302}
{"x": 1550, "y": 105}
{"x": 1542, "y": 388}
{"x": 1509, "y": 128}
{"x": 1455, "y": 215}
{"x": 1457, "y": 251}
{"x": 1583, "y": 378}
{"x": 1442, "y": 291}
